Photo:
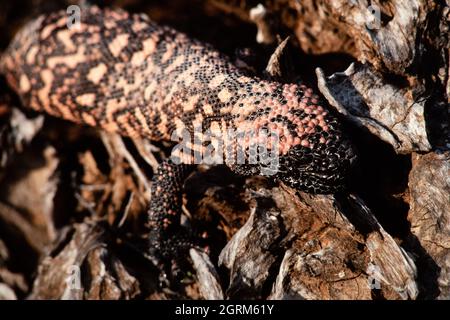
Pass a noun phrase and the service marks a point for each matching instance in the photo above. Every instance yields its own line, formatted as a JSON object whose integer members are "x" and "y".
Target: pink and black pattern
{"x": 124, "y": 73}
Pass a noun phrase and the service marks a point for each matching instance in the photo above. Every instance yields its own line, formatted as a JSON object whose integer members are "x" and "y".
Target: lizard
{"x": 125, "y": 73}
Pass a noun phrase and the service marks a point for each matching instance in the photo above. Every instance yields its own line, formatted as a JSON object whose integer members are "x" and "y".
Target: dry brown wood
{"x": 429, "y": 182}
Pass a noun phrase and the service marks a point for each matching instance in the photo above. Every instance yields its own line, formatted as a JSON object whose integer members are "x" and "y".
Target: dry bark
{"x": 429, "y": 183}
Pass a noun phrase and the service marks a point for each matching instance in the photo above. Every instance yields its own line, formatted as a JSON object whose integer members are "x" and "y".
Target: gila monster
{"x": 126, "y": 74}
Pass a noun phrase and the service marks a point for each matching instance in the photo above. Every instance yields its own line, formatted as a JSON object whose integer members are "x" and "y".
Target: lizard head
{"x": 308, "y": 149}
